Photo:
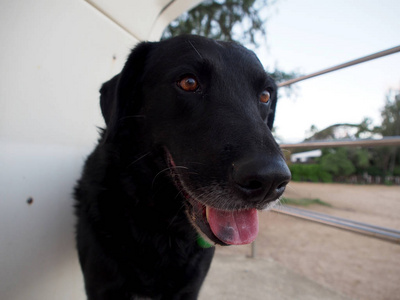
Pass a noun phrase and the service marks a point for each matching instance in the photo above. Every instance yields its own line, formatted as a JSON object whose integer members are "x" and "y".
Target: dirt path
{"x": 354, "y": 265}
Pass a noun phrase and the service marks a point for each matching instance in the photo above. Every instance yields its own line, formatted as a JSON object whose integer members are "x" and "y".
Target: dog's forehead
{"x": 194, "y": 49}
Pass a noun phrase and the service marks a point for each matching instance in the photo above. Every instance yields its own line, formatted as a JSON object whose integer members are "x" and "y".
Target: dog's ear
{"x": 120, "y": 97}
{"x": 271, "y": 114}
{"x": 107, "y": 97}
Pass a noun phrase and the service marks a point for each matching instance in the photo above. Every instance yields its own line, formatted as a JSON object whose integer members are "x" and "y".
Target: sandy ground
{"x": 234, "y": 277}
{"x": 351, "y": 265}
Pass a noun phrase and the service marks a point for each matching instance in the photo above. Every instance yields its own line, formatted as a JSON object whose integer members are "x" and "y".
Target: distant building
{"x": 305, "y": 157}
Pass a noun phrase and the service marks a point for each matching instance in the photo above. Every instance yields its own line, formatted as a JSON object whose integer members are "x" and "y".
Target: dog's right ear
{"x": 120, "y": 97}
{"x": 107, "y": 97}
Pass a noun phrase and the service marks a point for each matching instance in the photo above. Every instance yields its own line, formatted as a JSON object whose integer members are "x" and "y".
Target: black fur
{"x": 165, "y": 149}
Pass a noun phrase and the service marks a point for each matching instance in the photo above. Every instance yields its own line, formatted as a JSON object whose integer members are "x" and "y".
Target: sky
{"x": 310, "y": 35}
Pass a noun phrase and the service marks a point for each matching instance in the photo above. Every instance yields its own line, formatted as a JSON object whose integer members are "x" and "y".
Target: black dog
{"x": 186, "y": 160}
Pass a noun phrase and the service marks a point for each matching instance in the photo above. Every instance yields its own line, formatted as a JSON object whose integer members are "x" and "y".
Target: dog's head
{"x": 210, "y": 106}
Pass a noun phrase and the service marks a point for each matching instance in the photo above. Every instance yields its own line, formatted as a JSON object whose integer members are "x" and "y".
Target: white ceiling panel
{"x": 145, "y": 20}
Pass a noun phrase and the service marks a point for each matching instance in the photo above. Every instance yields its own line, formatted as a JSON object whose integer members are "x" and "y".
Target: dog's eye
{"x": 188, "y": 84}
{"x": 264, "y": 97}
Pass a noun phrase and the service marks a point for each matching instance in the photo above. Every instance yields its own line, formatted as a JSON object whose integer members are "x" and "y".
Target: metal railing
{"x": 382, "y": 233}
{"x": 385, "y": 141}
{"x": 344, "y": 65}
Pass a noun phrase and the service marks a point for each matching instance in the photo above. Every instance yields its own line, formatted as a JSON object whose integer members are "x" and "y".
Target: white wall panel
{"x": 54, "y": 56}
{"x": 146, "y": 22}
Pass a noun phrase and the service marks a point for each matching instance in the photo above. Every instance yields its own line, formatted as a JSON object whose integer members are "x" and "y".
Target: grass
{"x": 304, "y": 202}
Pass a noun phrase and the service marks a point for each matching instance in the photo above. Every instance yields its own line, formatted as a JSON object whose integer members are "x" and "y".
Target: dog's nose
{"x": 262, "y": 178}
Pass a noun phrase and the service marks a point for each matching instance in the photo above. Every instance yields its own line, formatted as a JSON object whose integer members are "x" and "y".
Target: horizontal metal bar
{"x": 338, "y": 219}
{"x": 339, "y": 224}
{"x": 342, "y": 66}
{"x": 385, "y": 141}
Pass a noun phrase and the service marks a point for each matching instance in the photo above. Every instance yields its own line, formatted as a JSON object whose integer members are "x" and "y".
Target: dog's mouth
{"x": 223, "y": 227}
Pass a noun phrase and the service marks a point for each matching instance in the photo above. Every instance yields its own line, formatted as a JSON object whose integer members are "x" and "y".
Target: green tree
{"x": 388, "y": 158}
{"x": 360, "y": 157}
{"x": 241, "y": 21}
{"x": 365, "y": 129}
{"x": 391, "y": 114}
{"x": 376, "y": 161}
{"x": 229, "y": 20}
{"x": 337, "y": 162}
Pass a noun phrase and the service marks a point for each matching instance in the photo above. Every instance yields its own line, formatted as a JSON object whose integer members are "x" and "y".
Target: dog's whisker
{"x": 179, "y": 167}
{"x": 197, "y": 163}
{"x": 176, "y": 216}
{"x": 192, "y": 173}
{"x": 198, "y": 53}
{"x": 291, "y": 187}
{"x": 159, "y": 173}
{"x": 181, "y": 191}
{"x": 140, "y": 158}
{"x": 280, "y": 203}
{"x": 132, "y": 117}
{"x": 164, "y": 170}
{"x": 273, "y": 204}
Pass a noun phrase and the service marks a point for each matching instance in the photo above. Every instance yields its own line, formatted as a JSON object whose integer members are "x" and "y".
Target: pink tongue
{"x": 233, "y": 227}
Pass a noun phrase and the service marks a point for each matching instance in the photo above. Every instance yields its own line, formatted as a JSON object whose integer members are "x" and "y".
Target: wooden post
{"x": 253, "y": 250}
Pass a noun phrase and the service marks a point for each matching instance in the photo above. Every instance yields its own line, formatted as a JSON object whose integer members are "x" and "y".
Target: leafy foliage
{"x": 309, "y": 172}
{"x": 342, "y": 162}
{"x": 391, "y": 114}
{"x": 229, "y": 20}
{"x": 343, "y": 130}
{"x": 388, "y": 158}
{"x": 336, "y": 162}
{"x": 280, "y": 76}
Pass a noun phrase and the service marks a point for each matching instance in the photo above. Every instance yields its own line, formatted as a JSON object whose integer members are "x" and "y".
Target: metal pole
{"x": 253, "y": 250}
{"x": 344, "y": 65}
{"x": 386, "y": 234}
{"x": 385, "y": 141}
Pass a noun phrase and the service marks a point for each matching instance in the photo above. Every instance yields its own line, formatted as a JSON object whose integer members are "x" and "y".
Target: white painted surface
{"x": 54, "y": 56}
{"x": 38, "y": 258}
{"x": 149, "y": 21}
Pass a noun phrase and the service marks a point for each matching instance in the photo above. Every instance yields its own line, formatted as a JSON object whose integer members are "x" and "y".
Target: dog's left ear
{"x": 271, "y": 114}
